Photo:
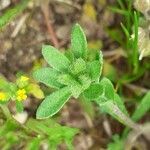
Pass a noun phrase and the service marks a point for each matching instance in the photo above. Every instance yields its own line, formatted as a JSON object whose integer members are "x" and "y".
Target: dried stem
{"x": 46, "y": 13}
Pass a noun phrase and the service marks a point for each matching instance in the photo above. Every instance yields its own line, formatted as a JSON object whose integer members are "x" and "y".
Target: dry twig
{"x": 46, "y": 13}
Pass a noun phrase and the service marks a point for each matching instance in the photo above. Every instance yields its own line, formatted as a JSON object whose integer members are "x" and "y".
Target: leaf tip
{"x": 44, "y": 48}
{"x": 39, "y": 115}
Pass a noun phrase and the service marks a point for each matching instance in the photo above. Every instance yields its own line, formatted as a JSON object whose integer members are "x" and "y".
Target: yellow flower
{"x": 24, "y": 78}
{"x": 2, "y": 96}
{"x": 21, "y": 94}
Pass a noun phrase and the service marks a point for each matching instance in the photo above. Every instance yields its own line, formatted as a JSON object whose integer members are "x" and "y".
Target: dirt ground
{"x": 20, "y": 50}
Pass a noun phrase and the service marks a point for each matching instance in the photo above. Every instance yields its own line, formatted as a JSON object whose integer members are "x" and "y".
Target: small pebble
{"x": 21, "y": 117}
{"x": 4, "y": 4}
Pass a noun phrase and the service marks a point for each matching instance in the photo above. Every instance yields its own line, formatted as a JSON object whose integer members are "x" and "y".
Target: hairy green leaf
{"x": 4, "y": 85}
{"x": 94, "y": 69}
{"x": 120, "y": 104}
{"x": 110, "y": 103}
{"x": 55, "y": 58}
{"x": 72, "y": 83}
{"x": 112, "y": 109}
{"x": 93, "y": 92}
{"x": 8, "y": 87}
{"x": 66, "y": 79}
{"x": 85, "y": 81}
{"x": 78, "y": 42}
{"x": 53, "y": 103}
{"x": 48, "y": 76}
{"x": 78, "y": 66}
{"x": 69, "y": 55}
{"x": 76, "y": 89}
{"x": 108, "y": 90}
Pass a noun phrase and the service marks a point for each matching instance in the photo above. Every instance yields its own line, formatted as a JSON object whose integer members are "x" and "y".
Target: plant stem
{"x": 5, "y": 111}
{"x": 124, "y": 118}
{"x": 113, "y": 110}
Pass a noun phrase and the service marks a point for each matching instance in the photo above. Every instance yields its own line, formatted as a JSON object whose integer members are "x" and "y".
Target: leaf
{"x": 117, "y": 144}
{"x": 142, "y": 108}
{"x": 34, "y": 144}
{"x": 53, "y": 103}
{"x": 120, "y": 104}
{"x": 85, "y": 81}
{"x": 112, "y": 109}
{"x": 10, "y": 88}
{"x": 119, "y": 11}
{"x": 78, "y": 42}
{"x": 110, "y": 103}
{"x": 7, "y": 127}
{"x": 108, "y": 90}
{"x": 135, "y": 54}
{"x": 94, "y": 69}
{"x": 78, "y": 66}
{"x": 100, "y": 92}
{"x": 11, "y": 13}
{"x": 66, "y": 79}
{"x": 55, "y": 58}
{"x": 125, "y": 30}
{"x": 116, "y": 35}
{"x": 35, "y": 90}
{"x": 69, "y": 134}
{"x": 55, "y": 133}
{"x": 19, "y": 106}
{"x": 93, "y": 92}
{"x": 40, "y": 127}
{"x": 70, "y": 81}
{"x": 48, "y": 76}
{"x": 76, "y": 89}
{"x": 69, "y": 55}
{"x": 4, "y": 84}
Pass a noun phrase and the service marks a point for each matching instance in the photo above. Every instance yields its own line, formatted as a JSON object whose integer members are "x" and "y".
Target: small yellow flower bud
{"x": 2, "y": 96}
{"x": 21, "y": 94}
{"x": 24, "y": 78}
{"x": 22, "y": 82}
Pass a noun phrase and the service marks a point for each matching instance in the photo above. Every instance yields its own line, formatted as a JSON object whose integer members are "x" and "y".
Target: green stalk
{"x": 11, "y": 13}
{"x": 6, "y": 111}
{"x": 113, "y": 110}
{"x": 135, "y": 44}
